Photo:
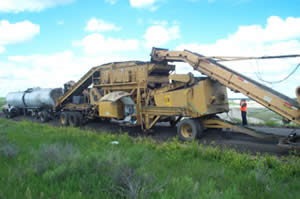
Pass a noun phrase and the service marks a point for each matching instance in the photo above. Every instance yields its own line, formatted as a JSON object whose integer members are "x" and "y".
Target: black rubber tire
{"x": 173, "y": 121}
{"x": 75, "y": 119}
{"x": 64, "y": 119}
{"x": 11, "y": 114}
{"x": 7, "y": 115}
{"x": 79, "y": 118}
{"x": 200, "y": 128}
{"x": 44, "y": 116}
{"x": 188, "y": 129}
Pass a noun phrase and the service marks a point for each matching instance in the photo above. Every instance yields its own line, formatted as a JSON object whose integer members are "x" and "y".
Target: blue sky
{"x": 48, "y": 42}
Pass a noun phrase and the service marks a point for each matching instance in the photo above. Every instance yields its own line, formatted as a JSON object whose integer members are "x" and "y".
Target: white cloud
{"x": 2, "y": 49}
{"x": 158, "y": 35}
{"x": 16, "y": 33}
{"x": 111, "y": 1}
{"x": 148, "y": 4}
{"x": 98, "y": 25}
{"x": 276, "y": 38}
{"x": 275, "y": 30}
{"x": 141, "y": 3}
{"x": 29, "y": 5}
{"x": 97, "y": 43}
{"x": 47, "y": 71}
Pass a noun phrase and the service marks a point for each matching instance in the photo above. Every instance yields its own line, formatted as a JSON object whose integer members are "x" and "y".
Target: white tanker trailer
{"x": 38, "y": 102}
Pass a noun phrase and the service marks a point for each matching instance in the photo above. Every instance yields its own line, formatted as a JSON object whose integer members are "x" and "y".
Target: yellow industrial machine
{"x": 149, "y": 92}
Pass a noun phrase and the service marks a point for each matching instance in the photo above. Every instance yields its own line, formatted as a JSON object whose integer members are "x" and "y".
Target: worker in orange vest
{"x": 243, "y": 109}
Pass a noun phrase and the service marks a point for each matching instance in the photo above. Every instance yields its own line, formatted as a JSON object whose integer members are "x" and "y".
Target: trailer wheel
{"x": 200, "y": 128}
{"x": 8, "y": 115}
{"x": 79, "y": 118}
{"x": 64, "y": 119}
{"x": 44, "y": 117}
{"x": 188, "y": 129}
{"x": 74, "y": 119}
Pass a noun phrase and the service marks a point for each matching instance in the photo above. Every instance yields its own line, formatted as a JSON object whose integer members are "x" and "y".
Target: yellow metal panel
{"x": 141, "y": 75}
{"x": 95, "y": 96}
{"x": 198, "y": 98}
{"x": 172, "y": 99}
{"x": 217, "y": 123}
{"x": 206, "y": 97}
{"x": 126, "y": 77}
{"x": 214, "y": 95}
{"x": 105, "y": 78}
{"x": 186, "y": 78}
{"x": 158, "y": 79}
{"x": 120, "y": 75}
{"x": 111, "y": 109}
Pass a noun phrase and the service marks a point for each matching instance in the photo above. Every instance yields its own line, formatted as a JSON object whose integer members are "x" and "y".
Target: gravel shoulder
{"x": 162, "y": 132}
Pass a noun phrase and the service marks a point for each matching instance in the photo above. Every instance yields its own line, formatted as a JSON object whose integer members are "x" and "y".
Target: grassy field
{"x": 263, "y": 114}
{"x": 2, "y": 101}
{"x": 259, "y": 116}
{"x": 41, "y": 161}
{"x": 268, "y": 117}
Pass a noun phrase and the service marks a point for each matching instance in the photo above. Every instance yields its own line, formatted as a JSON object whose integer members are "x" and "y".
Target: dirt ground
{"x": 162, "y": 132}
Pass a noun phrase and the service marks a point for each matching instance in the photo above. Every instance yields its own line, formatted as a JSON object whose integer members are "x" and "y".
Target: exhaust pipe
{"x": 298, "y": 93}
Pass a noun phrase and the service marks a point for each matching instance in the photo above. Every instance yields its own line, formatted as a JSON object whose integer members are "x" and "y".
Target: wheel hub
{"x": 186, "y": 130}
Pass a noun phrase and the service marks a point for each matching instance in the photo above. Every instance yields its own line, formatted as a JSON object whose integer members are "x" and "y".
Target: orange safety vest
{"x": 243, "y": 106}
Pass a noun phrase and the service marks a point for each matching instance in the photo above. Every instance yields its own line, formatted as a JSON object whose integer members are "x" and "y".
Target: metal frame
{"x": 265, "y": 96}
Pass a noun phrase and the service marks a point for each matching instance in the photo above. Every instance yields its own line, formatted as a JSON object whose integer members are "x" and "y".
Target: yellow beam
{"x": 217, "y": 123}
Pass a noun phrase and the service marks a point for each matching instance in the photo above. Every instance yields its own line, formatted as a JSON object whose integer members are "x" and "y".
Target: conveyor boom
{"x": 265, "y": 96}
{"x": 78, "y": 88}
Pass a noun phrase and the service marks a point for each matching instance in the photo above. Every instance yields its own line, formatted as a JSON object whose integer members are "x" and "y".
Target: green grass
{"x": 2, "y": 101}
{"x": 262, "y": 114}
{"x": 41, "y": 161}
{"x": 269, "y": 118}
{"x": 232, "y": 103}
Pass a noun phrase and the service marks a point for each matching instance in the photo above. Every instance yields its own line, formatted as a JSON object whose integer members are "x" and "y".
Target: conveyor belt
{"x": 85, "y": 82}
{"x": 78, "y": 88}
{"x": 271, "y": 99}
{"x": 274, "y": 92}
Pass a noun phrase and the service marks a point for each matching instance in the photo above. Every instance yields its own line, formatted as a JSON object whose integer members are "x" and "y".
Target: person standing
{"x": 243, "y": 109}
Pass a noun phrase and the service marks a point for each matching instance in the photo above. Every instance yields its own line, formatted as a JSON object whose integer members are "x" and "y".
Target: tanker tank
{"x": 34, "y": 98}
